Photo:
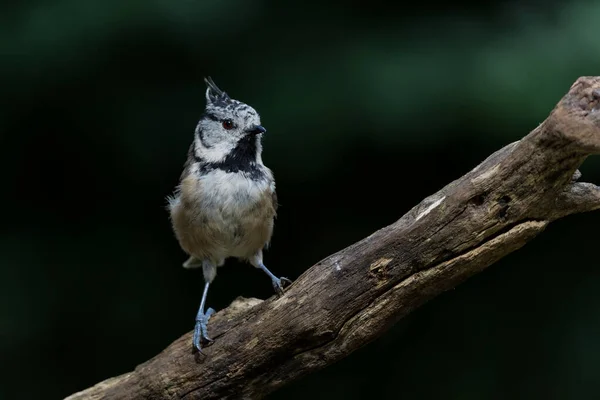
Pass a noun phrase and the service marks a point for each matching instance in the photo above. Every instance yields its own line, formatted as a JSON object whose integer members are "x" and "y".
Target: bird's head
{"x": 228, "y": 131}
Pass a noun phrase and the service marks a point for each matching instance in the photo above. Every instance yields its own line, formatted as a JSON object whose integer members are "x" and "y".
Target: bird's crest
{"x": 214, "y": 94}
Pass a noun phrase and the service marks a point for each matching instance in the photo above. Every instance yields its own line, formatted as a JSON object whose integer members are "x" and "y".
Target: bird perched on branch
{"x": 225, "y": 204}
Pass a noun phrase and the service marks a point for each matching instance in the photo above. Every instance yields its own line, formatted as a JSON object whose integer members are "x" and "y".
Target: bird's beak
{"x": 257, "y": 130}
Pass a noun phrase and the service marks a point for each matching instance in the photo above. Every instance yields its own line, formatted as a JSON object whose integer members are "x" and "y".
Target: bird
{"x": 225, "y": 203}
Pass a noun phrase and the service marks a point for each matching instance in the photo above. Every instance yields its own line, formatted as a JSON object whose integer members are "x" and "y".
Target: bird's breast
{"x": 234, "y": 192}
{"x": 227, "y": 211}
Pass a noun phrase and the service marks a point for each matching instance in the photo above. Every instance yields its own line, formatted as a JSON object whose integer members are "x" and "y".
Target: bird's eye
{"x": 228, "y": 124}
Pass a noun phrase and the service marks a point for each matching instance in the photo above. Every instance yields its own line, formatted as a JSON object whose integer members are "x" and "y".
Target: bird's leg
{"x": 200, "y": 330}
{"x": 209, "y": 270}
{"x": 278, "y": 283}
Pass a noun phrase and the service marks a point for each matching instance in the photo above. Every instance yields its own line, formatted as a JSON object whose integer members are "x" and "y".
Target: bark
{"x": 353, "y": 296}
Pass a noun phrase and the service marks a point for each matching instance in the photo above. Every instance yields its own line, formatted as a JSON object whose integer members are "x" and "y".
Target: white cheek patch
{"x": 214, "y": 153}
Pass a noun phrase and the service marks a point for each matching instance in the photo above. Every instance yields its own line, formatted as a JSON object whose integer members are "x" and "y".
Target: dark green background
{"x": 370, "y": 107}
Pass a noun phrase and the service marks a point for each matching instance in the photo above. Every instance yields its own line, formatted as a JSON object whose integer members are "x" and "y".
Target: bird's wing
{"x": 188, "y": 163}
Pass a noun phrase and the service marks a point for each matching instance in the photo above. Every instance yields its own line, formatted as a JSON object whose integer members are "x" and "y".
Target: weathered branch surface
{"x": 355, "y": 295}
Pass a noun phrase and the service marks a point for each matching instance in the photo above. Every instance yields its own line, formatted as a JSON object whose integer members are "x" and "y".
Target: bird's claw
{"x": 201, "y": 331}
{"x": 280, "y": 283}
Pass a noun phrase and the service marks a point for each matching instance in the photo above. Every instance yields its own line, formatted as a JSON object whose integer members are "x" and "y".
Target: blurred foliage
{"x": 370, "y": 107}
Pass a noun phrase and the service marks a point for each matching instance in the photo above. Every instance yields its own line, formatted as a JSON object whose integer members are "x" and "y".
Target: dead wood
{"x": 353, "y": 296}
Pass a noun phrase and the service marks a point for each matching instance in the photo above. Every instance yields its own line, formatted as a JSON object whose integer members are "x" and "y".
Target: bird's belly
{"x": 233, "y": 224}
{"x": 246, "y": 234}
{"x": 237, "y": 232}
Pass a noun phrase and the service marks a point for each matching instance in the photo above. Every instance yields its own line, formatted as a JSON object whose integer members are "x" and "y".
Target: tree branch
{"x": 353, "y": 296}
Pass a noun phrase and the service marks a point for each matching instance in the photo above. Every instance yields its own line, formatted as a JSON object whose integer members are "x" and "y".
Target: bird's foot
{"x": 279, "y": 283}
{"x": 200, "y": 330}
